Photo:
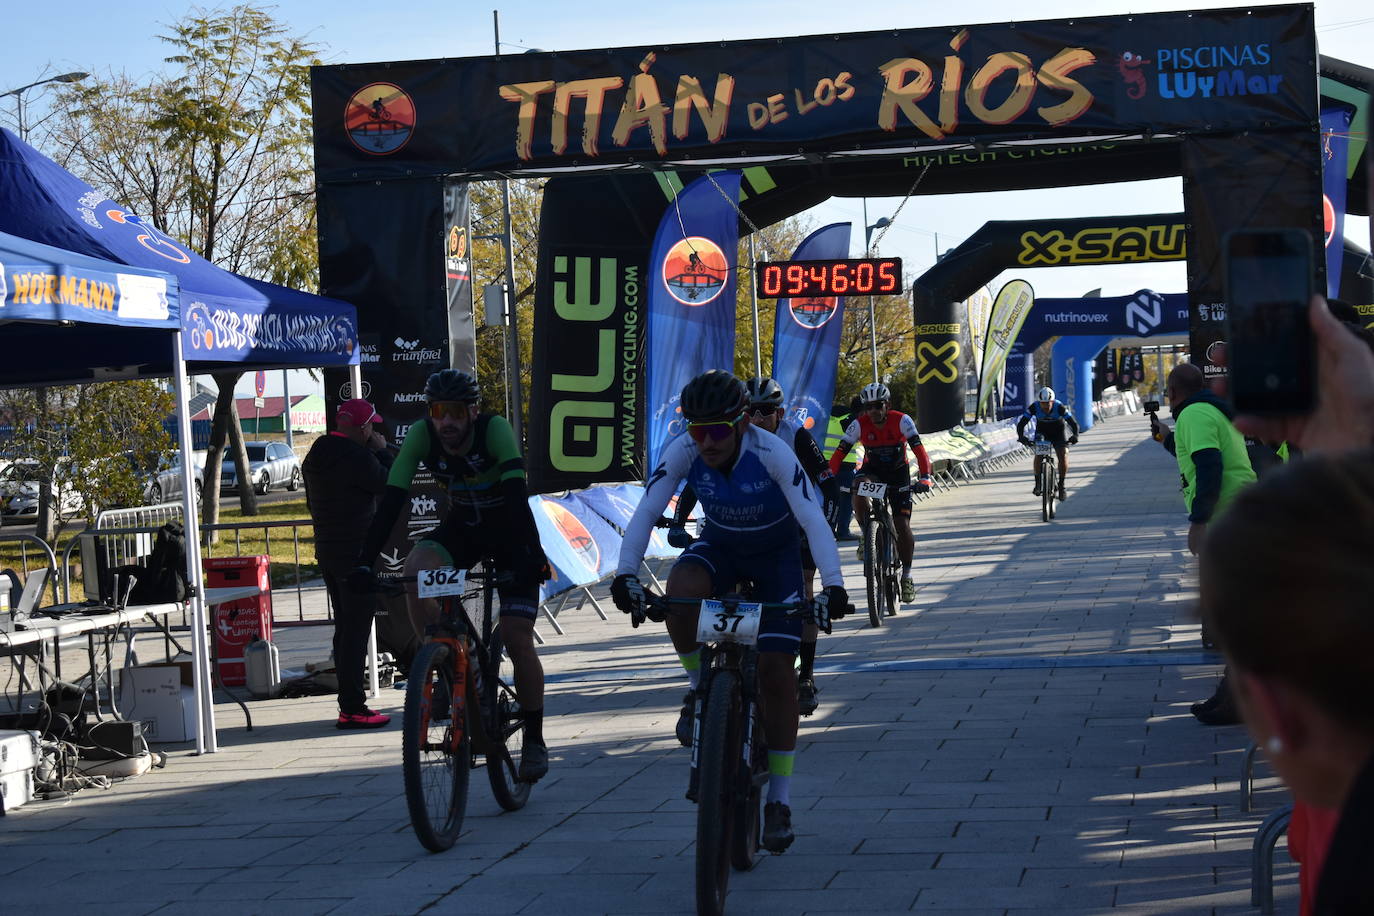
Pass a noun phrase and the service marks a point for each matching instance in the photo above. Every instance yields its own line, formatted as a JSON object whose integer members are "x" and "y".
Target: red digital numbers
{"x": 822, "y": 279}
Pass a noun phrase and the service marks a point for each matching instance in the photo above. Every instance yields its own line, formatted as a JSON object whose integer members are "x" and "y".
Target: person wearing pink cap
{"x": 345, "y": 472}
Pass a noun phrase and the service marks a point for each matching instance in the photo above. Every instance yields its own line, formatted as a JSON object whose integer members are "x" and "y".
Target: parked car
{"x": 271, "y": 464}
{"x": 19, "y": 494}
{"x": 164, "y": 482}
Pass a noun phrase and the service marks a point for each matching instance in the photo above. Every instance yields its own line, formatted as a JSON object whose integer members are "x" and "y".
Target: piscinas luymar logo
{"x": 1131, "y": 67}
{"x": 1214, "y": 71}
{"x": 380, "y": 118}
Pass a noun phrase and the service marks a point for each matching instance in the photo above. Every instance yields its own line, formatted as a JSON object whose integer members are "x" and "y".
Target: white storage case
{"x": 18, "y": 757}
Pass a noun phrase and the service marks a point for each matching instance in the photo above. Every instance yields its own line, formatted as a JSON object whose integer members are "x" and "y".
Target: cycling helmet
{"x": 1046, "y": 394}
{"x": 452, "y": 385}
{"x": 714, "y": 395}
{"x": 874, "y": 393}
{"x": 764, "y": 391}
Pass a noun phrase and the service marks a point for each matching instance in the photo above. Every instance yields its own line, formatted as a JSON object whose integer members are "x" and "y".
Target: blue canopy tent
{"x": 226, "y": 321}
{"x": 231, "y": 322}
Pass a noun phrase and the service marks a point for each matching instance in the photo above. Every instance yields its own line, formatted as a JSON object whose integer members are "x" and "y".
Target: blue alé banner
{"x": 1335, "y": 149}
{"x": 806, "y": 338}
{"x": 617, "y": 505}
{"x": 691, "y": 298}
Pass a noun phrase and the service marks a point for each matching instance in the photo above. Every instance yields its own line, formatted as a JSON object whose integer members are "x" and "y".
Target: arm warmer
{"x": 1207, "y": 488}
{"x": 922, "y": 459}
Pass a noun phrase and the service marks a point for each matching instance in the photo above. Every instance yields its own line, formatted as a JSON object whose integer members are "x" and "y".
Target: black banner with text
{"x": 1162, "y": 73}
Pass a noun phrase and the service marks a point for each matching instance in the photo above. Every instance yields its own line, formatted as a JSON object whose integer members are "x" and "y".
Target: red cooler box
{"x": 238, "y": 623}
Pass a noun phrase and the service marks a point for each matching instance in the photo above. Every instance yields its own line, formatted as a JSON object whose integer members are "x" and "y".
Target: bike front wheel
{"x": 506, "y": 729}
{"x": 718, "y": 751}
{"x": 1046, "y": 491}
{"x": 873, "y": 570}
{"x": 435, "y": 755}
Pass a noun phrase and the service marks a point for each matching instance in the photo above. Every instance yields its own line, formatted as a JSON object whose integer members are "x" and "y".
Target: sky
{"x": 48, "y": 39}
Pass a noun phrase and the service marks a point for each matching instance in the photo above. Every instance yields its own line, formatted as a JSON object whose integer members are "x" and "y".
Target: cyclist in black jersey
{"x": 474, "y": 457}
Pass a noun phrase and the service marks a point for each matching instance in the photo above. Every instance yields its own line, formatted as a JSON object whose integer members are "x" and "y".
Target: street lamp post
{"x": 19, "y": 97}
{"x": 882, "y": 223}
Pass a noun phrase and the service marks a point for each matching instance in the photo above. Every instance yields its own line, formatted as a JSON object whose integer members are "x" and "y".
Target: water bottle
{"x": 262, "y": 665}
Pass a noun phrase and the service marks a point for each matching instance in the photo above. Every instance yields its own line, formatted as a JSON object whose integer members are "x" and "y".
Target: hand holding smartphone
{"x": 1270, "y": 352}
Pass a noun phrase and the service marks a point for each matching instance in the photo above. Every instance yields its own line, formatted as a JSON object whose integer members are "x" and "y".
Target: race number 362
{"x": 738, "y": 623}
{"x": 445, "y": 580}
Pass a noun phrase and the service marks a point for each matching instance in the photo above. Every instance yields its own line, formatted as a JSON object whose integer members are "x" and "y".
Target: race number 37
{"x": 739, "y": 623}
{"x": 444, "y": 580}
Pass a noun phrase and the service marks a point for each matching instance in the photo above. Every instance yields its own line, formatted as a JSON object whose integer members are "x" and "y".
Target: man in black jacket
{"x": 345, "y": 472}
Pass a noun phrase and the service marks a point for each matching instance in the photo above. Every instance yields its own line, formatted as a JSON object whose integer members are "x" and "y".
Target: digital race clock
{"x": 820, "y": 279}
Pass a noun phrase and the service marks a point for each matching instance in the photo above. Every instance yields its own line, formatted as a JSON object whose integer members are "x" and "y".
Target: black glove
{"x": 1024, "y": 441}
{"x": 831, "y": 604}
{"x": 362, "y": 580}
{"x": 922, "y": 485}
{"x": 628, "y": 593}
{"x": 679, "y": 538}
{"x": 1073, "y": 440}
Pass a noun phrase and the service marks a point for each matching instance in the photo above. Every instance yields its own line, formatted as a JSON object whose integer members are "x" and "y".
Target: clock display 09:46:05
{"x": 840, "y": 277}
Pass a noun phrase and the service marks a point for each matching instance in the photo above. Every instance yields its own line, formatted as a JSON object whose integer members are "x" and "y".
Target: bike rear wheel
{"x": 873, "y": 570}
{"x": 505, "y": 727}
{"x": 892, "y": 573}
{"x": 717, "y": 753}
{"x": 1046, "y": 490}
{"x": 744, "y": 850}
{"x": 435, "y": 755}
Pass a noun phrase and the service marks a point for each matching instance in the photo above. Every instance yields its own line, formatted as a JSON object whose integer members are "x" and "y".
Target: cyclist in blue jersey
{"x": 1050, "y": 418}
{"x": 754, "y": 495}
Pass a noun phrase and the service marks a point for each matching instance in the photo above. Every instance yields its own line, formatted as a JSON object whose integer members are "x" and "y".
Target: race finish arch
{"x": 1228, "y": 99}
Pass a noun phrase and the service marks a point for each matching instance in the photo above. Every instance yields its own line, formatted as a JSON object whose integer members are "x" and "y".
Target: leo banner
{"x": 806, "y": 338}
{"x": 1167, "y": 73}
{"x": 691, "y": 298}
{"x": 1009, "y": 311}
{"x": 462, "y": 332}
{"x": 1335, "y": 147}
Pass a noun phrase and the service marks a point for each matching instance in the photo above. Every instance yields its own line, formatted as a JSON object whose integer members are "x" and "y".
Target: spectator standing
{"x": 345, "y": 471}
{"x": 1215, "y": 466}
{"x": 844, "y": 478}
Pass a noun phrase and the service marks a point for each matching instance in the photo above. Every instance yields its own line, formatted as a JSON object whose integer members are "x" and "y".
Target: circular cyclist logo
{"x": 695, "y": 270}
{"x": 813, "y": 313}
{"x": 380, "y": 118}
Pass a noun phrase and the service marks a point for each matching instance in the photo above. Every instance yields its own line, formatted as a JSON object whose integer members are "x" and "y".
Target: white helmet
{"x": 874, "y": 393}
{"x": 1046, "y": 394}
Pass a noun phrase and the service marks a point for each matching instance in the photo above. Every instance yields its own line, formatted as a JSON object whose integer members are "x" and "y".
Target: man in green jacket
{"x": 1215, "y": 466}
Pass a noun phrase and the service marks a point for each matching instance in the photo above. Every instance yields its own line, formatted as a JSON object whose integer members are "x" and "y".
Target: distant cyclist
{"x": 885, "y": 435}
{"x": 473, "y": 456}
{"x": 753, "y": 494}
{"x": 1050, "y": 418}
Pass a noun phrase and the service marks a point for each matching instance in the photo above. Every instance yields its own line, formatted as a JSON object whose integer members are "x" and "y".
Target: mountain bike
{"x": 729, "y": 756}
{"x": 458, "y": 706}
{"x": 882, "y": 566}
{"x": 1049, "y": 476}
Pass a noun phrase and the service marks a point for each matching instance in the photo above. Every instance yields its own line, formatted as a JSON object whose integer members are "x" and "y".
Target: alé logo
{"x": 1144, "y": 312}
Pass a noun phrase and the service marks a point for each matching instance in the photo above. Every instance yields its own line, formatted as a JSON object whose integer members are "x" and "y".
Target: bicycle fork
{"x": 747, "y": 671}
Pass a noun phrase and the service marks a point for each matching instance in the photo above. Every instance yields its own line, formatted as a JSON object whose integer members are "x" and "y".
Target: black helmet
{"x": 452, "y": 385}
{"x": 764, "y": 391}
{"x": 713, "y": 395}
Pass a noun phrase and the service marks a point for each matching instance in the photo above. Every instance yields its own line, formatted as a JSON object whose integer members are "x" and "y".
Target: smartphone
{"x": 1270, "y": 351}
{"x": 1152, "y": 407}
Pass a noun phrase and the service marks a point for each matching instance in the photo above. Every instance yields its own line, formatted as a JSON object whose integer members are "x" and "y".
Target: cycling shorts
{"x": 468, "y": 545}
{"x": 777, "y": 578}
{"x": 898, "y": 487}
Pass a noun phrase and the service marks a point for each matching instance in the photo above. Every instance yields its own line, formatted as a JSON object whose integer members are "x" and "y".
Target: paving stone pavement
{"x": 1017, "y": 741}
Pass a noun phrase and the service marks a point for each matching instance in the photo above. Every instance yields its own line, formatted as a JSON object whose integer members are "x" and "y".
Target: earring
{"x": 1273, "y": 746}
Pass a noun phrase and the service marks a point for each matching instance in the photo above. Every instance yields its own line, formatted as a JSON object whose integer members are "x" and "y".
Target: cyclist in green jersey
{"x": 474, "y": 457}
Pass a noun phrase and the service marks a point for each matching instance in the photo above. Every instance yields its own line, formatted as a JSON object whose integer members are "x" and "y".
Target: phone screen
{"x": 1269, "y": 342}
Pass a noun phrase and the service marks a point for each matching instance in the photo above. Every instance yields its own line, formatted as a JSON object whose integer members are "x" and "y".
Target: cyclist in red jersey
{"x": 885, "y": 435}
